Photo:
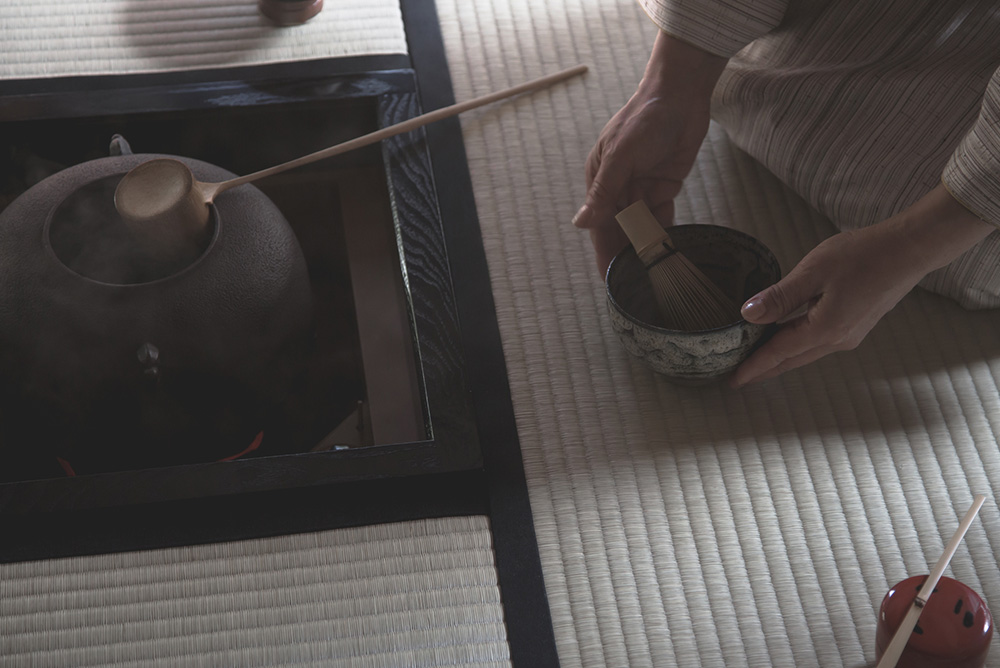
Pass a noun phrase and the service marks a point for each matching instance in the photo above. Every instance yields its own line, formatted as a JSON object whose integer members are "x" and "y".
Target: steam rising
{"x": 89, "y": 236}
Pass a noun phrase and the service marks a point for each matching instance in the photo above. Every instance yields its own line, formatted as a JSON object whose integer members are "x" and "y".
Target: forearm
{"x": 936, "y": 229}
{"x": 677, "y": 67}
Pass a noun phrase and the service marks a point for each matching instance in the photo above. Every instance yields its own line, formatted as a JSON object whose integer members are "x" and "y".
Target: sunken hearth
{"x": 350, "y": 380}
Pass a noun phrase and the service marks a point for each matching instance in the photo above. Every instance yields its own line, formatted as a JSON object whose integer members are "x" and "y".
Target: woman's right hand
{"x": 649, "y": 146}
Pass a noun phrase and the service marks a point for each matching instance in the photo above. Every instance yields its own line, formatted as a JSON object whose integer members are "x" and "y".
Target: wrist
{"x": 937, "y": 229}
{"x": 676, "y": 65}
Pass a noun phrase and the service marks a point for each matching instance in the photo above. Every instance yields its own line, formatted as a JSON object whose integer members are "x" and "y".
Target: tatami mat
{"x": 409, "y": 594}
{"x": 70, "y": 37}
{"x": 677, "y": 527}
{"x": 707, "y": 527}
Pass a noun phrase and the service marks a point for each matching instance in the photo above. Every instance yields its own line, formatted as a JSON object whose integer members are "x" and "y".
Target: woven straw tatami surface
{"x": 707, "y": 527}
{"x": 677, "y": 527}
{"x": 49, "y": 39}
{"x": 409, "y": 594}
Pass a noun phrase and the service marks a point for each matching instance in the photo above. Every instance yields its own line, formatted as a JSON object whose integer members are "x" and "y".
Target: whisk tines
{"x": 687, "y": 298}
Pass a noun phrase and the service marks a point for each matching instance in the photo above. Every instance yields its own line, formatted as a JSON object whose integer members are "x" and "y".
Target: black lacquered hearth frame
{"x": 470, "y": 461}
{"x": 451, "y": 442}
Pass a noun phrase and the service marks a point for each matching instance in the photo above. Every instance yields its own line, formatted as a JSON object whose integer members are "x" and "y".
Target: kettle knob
{"x": 119, "y": 146}
{"x": 149, "y": 360}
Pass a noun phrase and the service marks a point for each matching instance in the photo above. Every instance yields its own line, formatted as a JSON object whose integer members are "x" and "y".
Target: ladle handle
{"x": 404, "y": 126}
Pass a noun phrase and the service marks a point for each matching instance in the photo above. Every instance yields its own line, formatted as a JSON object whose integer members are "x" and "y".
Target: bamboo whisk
{"x": 688, "y": 299}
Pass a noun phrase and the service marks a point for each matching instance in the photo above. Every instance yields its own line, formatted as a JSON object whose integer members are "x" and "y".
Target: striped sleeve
{"x": 722, "y": 27}
{"x": 972, "y": 174}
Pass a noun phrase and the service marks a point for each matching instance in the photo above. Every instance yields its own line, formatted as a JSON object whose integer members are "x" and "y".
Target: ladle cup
{"x": 163, "y": 201}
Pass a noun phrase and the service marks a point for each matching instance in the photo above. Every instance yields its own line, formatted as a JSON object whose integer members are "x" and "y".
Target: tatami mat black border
{"x": 240, "y": 516}
{"x": 522, "y": 588}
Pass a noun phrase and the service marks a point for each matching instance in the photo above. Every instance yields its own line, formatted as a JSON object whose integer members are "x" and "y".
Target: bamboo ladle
{"x": 163, "y": 192}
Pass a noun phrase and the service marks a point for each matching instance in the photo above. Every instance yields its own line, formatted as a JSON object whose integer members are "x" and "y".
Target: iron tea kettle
{"x": 112, "y": 358}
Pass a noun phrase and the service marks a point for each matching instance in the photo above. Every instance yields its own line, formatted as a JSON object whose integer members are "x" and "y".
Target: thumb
{"x": 780, "y": 300}
{"x": 603, "y": 194}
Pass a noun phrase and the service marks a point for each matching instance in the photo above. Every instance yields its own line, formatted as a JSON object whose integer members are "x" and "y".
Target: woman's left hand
{"x": 847, "y": 283}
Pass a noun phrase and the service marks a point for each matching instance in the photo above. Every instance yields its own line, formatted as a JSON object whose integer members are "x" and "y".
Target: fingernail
{"x": 579, "y": 214}
{"x": 754, "y": 308}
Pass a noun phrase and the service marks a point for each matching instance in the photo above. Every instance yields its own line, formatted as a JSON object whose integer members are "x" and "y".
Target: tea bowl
{"x": 738, "y": 263}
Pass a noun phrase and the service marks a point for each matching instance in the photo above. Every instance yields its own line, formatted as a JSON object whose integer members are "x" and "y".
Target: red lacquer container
{"x": 954, "y": 630}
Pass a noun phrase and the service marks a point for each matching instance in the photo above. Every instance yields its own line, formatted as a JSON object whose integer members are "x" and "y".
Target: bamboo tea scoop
{"x": 163, "y": 191}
